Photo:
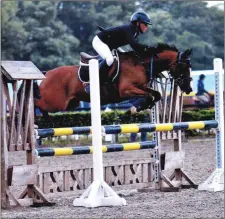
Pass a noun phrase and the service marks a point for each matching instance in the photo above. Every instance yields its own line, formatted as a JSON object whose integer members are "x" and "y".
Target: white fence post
{"x": 98, "y": 193}
{"x": 216, "y": 181}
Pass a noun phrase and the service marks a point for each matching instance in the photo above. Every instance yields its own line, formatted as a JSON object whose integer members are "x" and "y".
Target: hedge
{"x": 71, "y": 119}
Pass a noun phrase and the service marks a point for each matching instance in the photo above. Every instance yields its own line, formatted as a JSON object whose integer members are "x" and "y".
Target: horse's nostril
{"x": 189, "y": 90}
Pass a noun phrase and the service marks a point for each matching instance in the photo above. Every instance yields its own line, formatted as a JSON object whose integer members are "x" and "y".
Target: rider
{"x": 112, "y": 38}
{"x": 201, "y": 90}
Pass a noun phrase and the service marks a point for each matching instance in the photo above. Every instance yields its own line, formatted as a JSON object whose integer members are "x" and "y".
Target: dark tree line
{"x": 52, "y": 34}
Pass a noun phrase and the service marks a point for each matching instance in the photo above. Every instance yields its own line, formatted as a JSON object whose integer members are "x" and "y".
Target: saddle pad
{"x": 83, "y": 73}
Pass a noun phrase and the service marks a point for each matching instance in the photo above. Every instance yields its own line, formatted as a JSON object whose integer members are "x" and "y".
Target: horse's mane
{"x": 158, "y": 48}
{"x": 164, "y": 46}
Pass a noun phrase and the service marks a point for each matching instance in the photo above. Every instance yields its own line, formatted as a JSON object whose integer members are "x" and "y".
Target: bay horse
{"x": 62, "y": 90}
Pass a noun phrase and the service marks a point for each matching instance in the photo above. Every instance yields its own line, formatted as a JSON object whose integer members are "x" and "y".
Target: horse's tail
{"x": 36, "y": 94}
{"x": 19, "y": 93}
{"x": 36, "y": 90}
{"x": 37, "y": 97}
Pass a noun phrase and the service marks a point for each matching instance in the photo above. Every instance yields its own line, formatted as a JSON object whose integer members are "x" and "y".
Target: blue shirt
{"x": 201, "y": 89}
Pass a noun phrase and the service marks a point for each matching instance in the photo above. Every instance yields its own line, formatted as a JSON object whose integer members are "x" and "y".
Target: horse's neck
{"x": 160, "y": 65}
{"x": 164, "y": 62}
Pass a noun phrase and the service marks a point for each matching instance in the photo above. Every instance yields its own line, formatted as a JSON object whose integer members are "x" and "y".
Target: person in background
{"x": 202, "y": 94}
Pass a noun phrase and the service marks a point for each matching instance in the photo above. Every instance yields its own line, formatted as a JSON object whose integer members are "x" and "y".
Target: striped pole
{"x": 129, "y": 128}
{"x": 49, "y": 152}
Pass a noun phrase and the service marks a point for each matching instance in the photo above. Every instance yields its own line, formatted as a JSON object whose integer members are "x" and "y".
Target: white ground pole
{"x": 99, "y": 192}
{"x": 216, "y": 181}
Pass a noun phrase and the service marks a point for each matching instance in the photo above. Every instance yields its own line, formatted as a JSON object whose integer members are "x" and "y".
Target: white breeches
{"x": 103, "y": 50}
{"x": 204, "y": 98}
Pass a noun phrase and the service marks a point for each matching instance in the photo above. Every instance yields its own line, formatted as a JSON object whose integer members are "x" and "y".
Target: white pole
{"x": 96, "y": 120}
{"x": 98, "y": 193}
{"x": 215, "y": 182}
{"x": 219, "y": 112}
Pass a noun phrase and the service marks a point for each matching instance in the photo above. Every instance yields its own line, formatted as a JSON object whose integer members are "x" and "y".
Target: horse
{"x": 63, "y": 90}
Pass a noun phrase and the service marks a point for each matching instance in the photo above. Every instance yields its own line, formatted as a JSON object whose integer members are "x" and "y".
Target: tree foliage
{"x": 52, "y": 34}
{"x": 47, "y": 41}
{"x": 13, "y": 34}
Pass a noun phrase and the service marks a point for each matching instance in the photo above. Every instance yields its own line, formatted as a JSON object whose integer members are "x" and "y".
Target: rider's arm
{"x": 137, "y": 46}
{"x": 203, "y": 88}
{"x": 134, "y": 44}
{"x": 206, "y": 92}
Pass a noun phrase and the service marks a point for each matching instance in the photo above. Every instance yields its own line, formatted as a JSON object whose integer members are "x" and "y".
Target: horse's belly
{"x": 54, "y": 98}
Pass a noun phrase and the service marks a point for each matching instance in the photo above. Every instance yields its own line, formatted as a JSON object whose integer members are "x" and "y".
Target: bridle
{"x": 179, "y": 61}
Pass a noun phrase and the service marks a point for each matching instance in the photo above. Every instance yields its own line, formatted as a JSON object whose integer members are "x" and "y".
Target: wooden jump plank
{"x": 19, "y": 70}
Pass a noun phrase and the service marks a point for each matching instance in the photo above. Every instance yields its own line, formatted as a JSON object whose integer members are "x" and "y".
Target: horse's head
{"x": 177, "y": 63}
{"x": 180, "y": 71}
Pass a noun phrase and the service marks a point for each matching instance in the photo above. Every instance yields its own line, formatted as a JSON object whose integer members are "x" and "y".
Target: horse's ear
{"x": 187, "y": 53}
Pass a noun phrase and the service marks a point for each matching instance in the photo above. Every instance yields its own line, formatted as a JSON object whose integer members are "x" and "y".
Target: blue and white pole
{"x": 216, "y": 181}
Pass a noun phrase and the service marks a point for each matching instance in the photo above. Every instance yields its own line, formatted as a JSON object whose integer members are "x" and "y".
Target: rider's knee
{"x": 109, "y": 60}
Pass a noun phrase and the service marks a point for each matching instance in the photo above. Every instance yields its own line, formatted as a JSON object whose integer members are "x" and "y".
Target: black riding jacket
{"x": 123, "y": 35}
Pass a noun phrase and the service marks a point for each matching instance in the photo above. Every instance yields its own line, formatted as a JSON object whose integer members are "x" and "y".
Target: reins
{"x": 149, "y": 69}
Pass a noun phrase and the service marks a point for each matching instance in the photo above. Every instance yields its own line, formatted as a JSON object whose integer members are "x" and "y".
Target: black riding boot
{"x": 104, "y": 72}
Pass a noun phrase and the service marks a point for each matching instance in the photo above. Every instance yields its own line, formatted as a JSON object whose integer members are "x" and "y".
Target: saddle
{"x": 83, "y": 72}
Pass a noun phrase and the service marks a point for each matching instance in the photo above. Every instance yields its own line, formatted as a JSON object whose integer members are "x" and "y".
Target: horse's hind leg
{"x": 127, "y": 91}
{"x": 47, "y": 117}
{"x": 42, "y": 106}
{"x": 73, "y": 104}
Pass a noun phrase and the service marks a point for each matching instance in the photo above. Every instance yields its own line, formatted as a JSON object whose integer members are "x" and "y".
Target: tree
{"x": 52, "y": 34}
{"x": 13, "y": 33}
{"x": 48, "y": 42}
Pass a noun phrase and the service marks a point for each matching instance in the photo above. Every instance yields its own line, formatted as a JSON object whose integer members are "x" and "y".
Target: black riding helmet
{"x": 141, "y": 17}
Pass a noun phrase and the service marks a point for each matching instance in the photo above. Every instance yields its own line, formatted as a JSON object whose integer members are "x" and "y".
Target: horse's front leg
{"x": 130, "y": 90}
{"x": 149, "y": 101}
{"x": 143, "y": 98}
{"x": 155, "y": 94}
{"x": 152, "y": 99}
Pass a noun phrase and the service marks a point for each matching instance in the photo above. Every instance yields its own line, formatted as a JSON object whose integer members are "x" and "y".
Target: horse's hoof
{"x": 148, "y": 110}
{"x": 128, "y": 112}
{"x": 133, "y": 110}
